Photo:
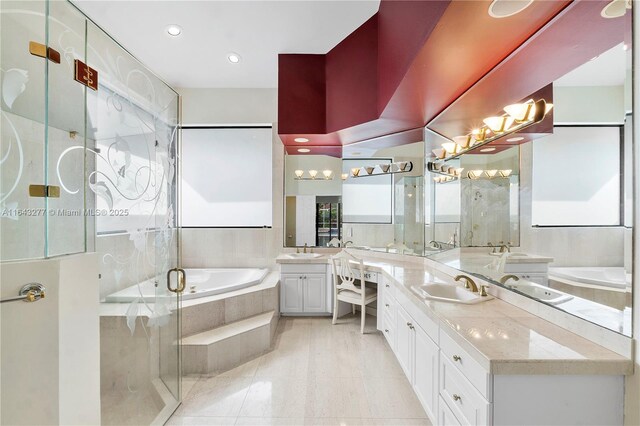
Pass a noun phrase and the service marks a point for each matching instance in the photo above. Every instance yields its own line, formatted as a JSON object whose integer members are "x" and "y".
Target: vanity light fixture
{"x": 313, "y": 175}
{"x": 304, "y": 150}
{"x": 301, "y": 140}
{"x": 440, "y": 153}
{"x": 499, "y": 124}
{"x": 174, "y": 30}
{"x": 450, "y": 148}
{"x": 385, "y": 169}
{"x": 448, "y": 173}
{"x": 474, "y": 174}
{"x": 234, "y": 58}
{"x": 518, "y": 117}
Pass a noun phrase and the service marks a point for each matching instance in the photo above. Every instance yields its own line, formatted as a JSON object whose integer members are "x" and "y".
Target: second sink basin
{"x": 542, "y": 293}
{"x": 451, "y": 293}
{"x": 304, "y": 255}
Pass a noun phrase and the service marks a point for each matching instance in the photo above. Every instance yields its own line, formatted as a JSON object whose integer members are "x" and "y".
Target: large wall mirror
{"x": 549, "y": 213}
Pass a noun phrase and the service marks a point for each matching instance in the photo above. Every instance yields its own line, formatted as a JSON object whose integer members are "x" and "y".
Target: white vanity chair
{"x": 345, "y": 288}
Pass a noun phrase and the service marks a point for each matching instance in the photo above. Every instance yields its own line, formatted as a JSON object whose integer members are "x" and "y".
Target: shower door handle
{"x": 182, "y": 280}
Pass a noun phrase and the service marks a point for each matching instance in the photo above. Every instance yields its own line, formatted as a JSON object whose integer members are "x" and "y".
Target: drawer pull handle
{"x": 456, "y": 358}
{"x": 386, "y": 330}
{"x": 386, "y": 304}
{"x": 457, "y": 397}
{"x": 386, "y": 285}
{"x": 410, "y": 325}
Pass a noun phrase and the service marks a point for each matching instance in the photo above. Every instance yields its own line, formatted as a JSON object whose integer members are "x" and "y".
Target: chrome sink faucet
{"x": 305, "y": 248}
{"x": 505, "y": 248}
{"x": 347, "y": 242}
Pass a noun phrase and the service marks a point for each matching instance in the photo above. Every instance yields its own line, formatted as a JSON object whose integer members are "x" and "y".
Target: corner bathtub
{"x": 200, "y": 283}
{"x": 612, "y": 277}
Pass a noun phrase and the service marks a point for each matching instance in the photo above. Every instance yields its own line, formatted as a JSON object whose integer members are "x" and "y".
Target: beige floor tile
{"x": 248, "y": 369}
{"x": 275, "y": 397}
{"x": 217, "y": 396}
{"x": 333, "y": 421}
{"x": 392, "y": 397}
{"x": 271, "y": 421}
{"x": 209, "y": 421}
{"x": 396, "y": 422}
{"x": 337, "y": 397}
{"x": 282, "y": 363}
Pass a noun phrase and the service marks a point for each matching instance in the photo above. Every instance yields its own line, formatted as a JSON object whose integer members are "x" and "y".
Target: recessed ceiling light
{"x": 174, "y": 30}
{"x": 615, "y": 9}
{"x": 304, "y": 150}
{"x": 490, "y": 149}
{"x": 516, "y": 139}
{"x": 355, "y": 153}
{"x": 301, "y": 140}
{"x": 234, "y": 58}
{"x": 506, "y": 8}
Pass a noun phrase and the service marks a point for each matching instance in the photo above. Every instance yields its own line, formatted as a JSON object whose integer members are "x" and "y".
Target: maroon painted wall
{"x": 301, "y": 94}
{"x": 352, "y": 78}
{"x": 403, "y": 28}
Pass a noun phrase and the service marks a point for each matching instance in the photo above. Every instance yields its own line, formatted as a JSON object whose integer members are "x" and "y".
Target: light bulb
{"x": 299, "y": 173}
{"x": 459, "y": 171}
{"x": 384, "y": 167}
{"x": 440, "y": 153}
{"x": 505, "y": 173}
{"x": 327, "y": 174}
{"x": 491, "y": 173}
{"x": 355, "y": 171}
{"x": 463, "y": 141}
{"x": 499, "y": 124}
{"x": 313, "y": 173}
{"x": 450, "y": 147}
{"x": 369, "y": 169}
{"x": 479, "y": 134}
{"x": 521, "y": 112}
{"x": 474, "y": 174}
{"x": 344, "y": 176}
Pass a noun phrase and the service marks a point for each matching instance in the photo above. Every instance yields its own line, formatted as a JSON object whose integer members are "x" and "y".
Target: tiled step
{"x": 229, "y": 345}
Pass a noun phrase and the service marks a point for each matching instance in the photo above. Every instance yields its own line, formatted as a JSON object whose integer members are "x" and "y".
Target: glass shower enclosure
{"x": 88, "y": 154}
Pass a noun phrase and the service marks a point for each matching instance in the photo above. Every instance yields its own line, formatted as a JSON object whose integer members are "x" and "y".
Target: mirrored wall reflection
{"x": 558, "y": 228}
{"x": 313, "y": 201}
{"x": 384, "y": 204}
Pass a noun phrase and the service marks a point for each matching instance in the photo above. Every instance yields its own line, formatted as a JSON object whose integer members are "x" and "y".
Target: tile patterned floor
{"x": 317, "y": 374}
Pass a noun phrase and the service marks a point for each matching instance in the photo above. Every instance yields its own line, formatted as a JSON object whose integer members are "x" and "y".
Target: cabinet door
{"x": 314, "y": 290}
{"x": 425, "y": 371}
{"x": 445, "y": 415}
{"x": 291, "y": 293}
{"x": 404, "y": 340}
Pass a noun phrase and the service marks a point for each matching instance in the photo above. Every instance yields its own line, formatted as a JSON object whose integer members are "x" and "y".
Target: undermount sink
{"x": 304, "y": 255}
{"x": 451, "y": 293}
{"x": 542, "y": 293}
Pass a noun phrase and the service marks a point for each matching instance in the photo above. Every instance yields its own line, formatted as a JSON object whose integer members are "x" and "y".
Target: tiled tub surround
{"x": 225, "y": 330}
{"x": 120, "y": 372}
{"x": 518, "y": 364}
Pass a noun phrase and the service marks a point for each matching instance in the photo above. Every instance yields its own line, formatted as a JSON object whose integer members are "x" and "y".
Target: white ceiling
{"x": 256, "y": 30}
{"x": 608, "y": 69}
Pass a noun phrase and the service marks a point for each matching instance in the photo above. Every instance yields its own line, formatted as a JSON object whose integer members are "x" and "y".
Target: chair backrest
{"x": 344, "y": 277}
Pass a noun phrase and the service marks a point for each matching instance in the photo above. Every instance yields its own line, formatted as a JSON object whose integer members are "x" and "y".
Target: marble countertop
{"x": 502, "y": 337}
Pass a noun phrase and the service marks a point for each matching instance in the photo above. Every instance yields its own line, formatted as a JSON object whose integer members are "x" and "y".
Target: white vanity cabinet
{"x": 415, "y": 350}
{"x": 454, "y": 388}
{"x": 305, "y": 289}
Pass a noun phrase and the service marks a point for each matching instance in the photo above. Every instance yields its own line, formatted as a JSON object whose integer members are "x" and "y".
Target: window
{"x": 366, "y": 199}
{"x": 227, "y": 177}
{"x": 576, "y": 177}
